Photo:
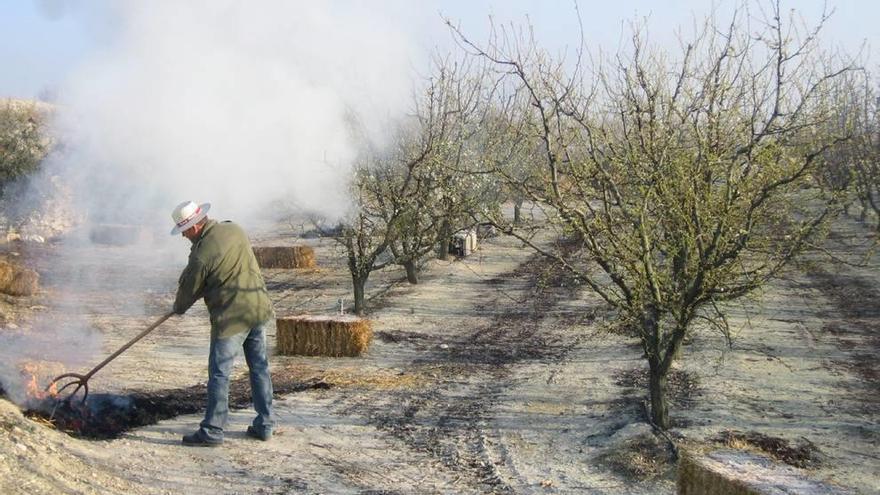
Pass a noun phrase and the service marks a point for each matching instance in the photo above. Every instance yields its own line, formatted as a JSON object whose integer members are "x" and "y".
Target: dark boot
{"x": 259, "y": 434}
{"x": 198, "y": 439}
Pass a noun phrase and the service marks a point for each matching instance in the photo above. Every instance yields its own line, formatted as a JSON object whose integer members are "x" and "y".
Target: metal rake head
{"x": 72, "y": 379}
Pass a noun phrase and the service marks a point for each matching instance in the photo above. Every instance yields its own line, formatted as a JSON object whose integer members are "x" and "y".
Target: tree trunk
{"x": 659, "y": 406}
{"x": 411, "y": 272}
{"x": 517, "y": 212}
{"x": 445, "y": 235}
{"x": 359, "y": 302}
{"x": 657, "y": 379}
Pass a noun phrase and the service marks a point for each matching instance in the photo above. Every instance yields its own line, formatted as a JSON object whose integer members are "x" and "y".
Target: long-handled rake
{"x": 82, "y": 381}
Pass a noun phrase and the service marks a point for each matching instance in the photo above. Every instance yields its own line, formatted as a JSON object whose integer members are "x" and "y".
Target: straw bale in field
{"x": 17, "y": 280}
{"x": 333, "y": 336}
{"x": 7, "y": 272}
{"x": 115, "y": 234}
{"x": 732, "y": 472}
{"x": 285, "y": 256}
{"x": 25, "y": 283}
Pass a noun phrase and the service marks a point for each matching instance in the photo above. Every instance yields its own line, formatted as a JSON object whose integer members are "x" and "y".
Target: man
{"x": 222, "y": 269}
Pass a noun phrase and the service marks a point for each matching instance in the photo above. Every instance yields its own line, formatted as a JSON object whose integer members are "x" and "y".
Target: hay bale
{"x": 733, "y": 472}
{"x": 285, "y": 256}
{"x": 334, "y": 336}
{"x": 17, "y": 280}
{"x": 7, "y": 273}
{"x": 24, "y": 283}
{"x": 115, "y": 234}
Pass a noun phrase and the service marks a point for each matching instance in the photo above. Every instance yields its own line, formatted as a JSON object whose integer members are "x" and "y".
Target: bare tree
{"x": 862, "y": 157}
{"x": 457, "y": 190}
{"x": 849, "y": 170}
{"x": 365, "y": 237}
{"x": 396, "y": 189}
{"x": 436, "y": 195}
{"x": 403, "y": 198}
{"x": 686, "y": 182}
{"x": 382, "y": 187}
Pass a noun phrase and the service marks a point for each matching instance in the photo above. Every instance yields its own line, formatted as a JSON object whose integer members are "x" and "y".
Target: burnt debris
{"x": 801, "y": 454}
{"x": 105, "y": 416}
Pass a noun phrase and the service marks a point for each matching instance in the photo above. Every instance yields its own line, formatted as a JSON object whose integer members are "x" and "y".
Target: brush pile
{"x": 335, "y": 336}
{"x": 285, "y": 257}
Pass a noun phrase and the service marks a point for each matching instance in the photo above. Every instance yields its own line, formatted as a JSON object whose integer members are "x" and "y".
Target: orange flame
{"x": 33, "y": 390}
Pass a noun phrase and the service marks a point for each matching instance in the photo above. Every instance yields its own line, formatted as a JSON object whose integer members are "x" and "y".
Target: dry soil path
{"x": 496, "y": 374}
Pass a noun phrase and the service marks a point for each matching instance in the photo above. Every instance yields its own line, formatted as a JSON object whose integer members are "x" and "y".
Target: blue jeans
{"x": 222, "y": 356}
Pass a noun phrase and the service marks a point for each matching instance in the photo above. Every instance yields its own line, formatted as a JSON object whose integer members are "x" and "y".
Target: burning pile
{"x": 99, "y": 416}
{"x": 103, "y": 415}
{"x": 17, "y": 280}
{"x": 285, "y": 257}
{"x": 323, "y": 336}
{"x": 32, "y": 374}
{"x": 26, "y": 389}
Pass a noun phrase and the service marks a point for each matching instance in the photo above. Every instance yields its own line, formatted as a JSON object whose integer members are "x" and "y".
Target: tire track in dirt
{"x": 853, "y": 328}
{"x": 449, "y": 418}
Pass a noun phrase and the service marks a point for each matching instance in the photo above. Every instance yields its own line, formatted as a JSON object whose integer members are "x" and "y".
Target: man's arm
{"x": 190, "y": 286}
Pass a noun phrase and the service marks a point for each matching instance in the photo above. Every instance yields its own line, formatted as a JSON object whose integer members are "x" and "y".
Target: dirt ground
{"x": 495, "y": 374}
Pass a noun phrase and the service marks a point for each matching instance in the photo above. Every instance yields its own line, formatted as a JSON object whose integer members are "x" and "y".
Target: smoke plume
{"x": 242, "y": 104}
{"x": 237, "y": 103}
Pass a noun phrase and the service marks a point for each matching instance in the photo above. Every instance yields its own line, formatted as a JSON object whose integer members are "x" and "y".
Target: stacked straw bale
{"x": 333, "y": 336}
{"x": 285, "y": 257}
{"x": 17, "y": 280}
{"x": 731, "y": 472}
{"x": 115, "y": 234}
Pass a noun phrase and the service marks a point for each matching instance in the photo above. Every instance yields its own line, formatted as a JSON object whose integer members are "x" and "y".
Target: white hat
{"x": 188, "y": 214}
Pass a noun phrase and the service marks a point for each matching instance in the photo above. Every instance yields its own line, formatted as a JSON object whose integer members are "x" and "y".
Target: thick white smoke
{"x": 238, "y": 103}
{"x": 242, "y": 104}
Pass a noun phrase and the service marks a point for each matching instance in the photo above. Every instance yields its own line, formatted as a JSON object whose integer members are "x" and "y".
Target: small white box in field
{"x": 464, "y": 242}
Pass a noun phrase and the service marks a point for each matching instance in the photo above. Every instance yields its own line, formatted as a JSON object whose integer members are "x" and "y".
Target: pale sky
{"x": 42, "y": 41}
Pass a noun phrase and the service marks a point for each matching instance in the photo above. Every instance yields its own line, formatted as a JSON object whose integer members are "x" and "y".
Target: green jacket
{"x": 222, "y": 269}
